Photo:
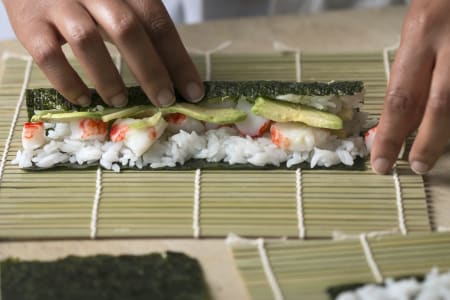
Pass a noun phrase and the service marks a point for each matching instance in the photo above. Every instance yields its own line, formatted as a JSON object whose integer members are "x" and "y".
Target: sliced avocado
{"x": 211, "y": 115}
{"x": 145, "y": 112}
{"x": 146, "y": 122}
{"x": 122, "y": 113}
{"x": 220, "y": 102}
{"x": 66, "y": 116}
{"x": 38, "y": 114}
{"x": 288, "y": 112}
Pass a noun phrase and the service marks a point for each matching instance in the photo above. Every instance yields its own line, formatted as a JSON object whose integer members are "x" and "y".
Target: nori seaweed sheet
{"x": 193, "y": 164}
{"x": 104, "y": 277}
{"x": 48, "y": 98}
{"x": 334, "y": 291}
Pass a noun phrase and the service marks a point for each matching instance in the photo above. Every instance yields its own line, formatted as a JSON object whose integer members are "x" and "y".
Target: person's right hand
{"x": 141, "y": 29}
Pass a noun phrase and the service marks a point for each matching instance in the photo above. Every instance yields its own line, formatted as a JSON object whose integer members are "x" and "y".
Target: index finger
{"x": 404, "y": 103}
{"x": 167, "y": 42}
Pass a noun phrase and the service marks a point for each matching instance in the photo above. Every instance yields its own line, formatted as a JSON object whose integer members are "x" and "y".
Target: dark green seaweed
{"x": 193, "y": 164}
{"x": 103, "y": 277}
{"x": 48, "y": 98}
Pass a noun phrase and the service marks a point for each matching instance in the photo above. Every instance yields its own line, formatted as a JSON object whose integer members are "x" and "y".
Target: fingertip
{"x": 119, "y": 100}
{"x": 381, "y": 165}
{"x": 165, "y": 97}
{"x": 194, "y": 92}
{"x": 84, "y": 101}
{"x": 420, "y": 167}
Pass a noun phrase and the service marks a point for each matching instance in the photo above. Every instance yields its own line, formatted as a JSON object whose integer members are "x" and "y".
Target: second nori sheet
{"x": 104, "y": 277}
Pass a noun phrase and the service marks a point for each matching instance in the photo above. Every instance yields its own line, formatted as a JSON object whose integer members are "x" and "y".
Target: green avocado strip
{"x": 66, "y": 116}
{"x": 288, "y": 112}
{"x": 122, "y": 113}
{"x": 147, "y": 122}
{"x": 211, "y": 115}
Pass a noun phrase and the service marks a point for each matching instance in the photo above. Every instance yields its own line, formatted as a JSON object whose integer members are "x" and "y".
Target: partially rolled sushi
{"x": 433, "y": 286}
{"x": 251, "y": 124}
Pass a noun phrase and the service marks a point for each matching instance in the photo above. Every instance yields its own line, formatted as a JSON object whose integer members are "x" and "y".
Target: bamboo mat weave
{"x": 307, "y": 203}
{"x": 305, "y": 269}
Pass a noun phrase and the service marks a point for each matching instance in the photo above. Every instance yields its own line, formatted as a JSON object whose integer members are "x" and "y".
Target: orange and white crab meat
{"x": 177, "y": 122}
{"x": 297, "y": 136}
{"x": 33, "y": 135}
{"x": 137, "y": 140}
{"x": 253, "y": 125}
{"x": 88, "y": 129}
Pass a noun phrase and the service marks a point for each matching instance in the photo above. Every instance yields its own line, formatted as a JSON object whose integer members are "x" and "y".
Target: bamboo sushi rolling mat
{"x": 298, "y": 204}
{"x": 305, "y": 270}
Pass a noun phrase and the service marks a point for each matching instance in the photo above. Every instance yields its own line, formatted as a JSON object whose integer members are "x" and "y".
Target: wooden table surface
{"x": 336, "y": 31}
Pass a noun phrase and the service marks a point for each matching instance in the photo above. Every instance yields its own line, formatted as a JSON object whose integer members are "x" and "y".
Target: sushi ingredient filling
{"x": 261, "y": 132}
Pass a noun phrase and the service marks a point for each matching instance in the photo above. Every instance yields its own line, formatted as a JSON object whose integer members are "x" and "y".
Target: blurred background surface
{"x": 195, "y": 11}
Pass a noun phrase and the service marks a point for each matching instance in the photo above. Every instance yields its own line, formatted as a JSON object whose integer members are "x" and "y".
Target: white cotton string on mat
{"x": 443, "y": 229}
{"x": 279, "y": 46}
{"x": 386, "y": 60}
{"x": 196, "y": 210}
{"x": 396, "y": 178}
{"x": 276, "y": 290}
{"x": 370, "y": 259}
{"x": 96, "y": 204}
{"x": 7, "y": 55}
{"x": 399, "y": 201}
{"x": 207, "y": 54}
{"x": 342, "y": 236}
{"x": 233, "y": 240}
{"x": 26, "y": 80}
{"x": 299, "y": 198}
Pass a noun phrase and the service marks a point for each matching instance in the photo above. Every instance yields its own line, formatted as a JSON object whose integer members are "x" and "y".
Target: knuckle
{"x": 439, "y": 103}
{"x": 124, "y": 24}
{"x": 43, "y": 51}
{"x": 420, "y": 24}
{"x": 81, "y": 35}
{"x": 399, "y": 102}
{"x": 160, "y": 26}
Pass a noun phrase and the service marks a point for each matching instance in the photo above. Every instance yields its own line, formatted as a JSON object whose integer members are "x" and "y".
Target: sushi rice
{"x": 216, "y": 145}
{"x": 435, "y": 287}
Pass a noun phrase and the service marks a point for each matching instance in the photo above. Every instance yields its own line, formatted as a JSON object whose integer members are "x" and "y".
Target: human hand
{"x": 141, "y": 29}
{"x": 418, "y": 94}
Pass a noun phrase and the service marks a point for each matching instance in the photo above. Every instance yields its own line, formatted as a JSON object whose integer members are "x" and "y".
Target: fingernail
{"x": 84, "y": 101}
{"x": 166, "y": 97}
{"x": 419, "y": 167}
{"x": 381, "y": 166}
{"x": 194, "y": 92}
{"x": 119, "y": 100}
